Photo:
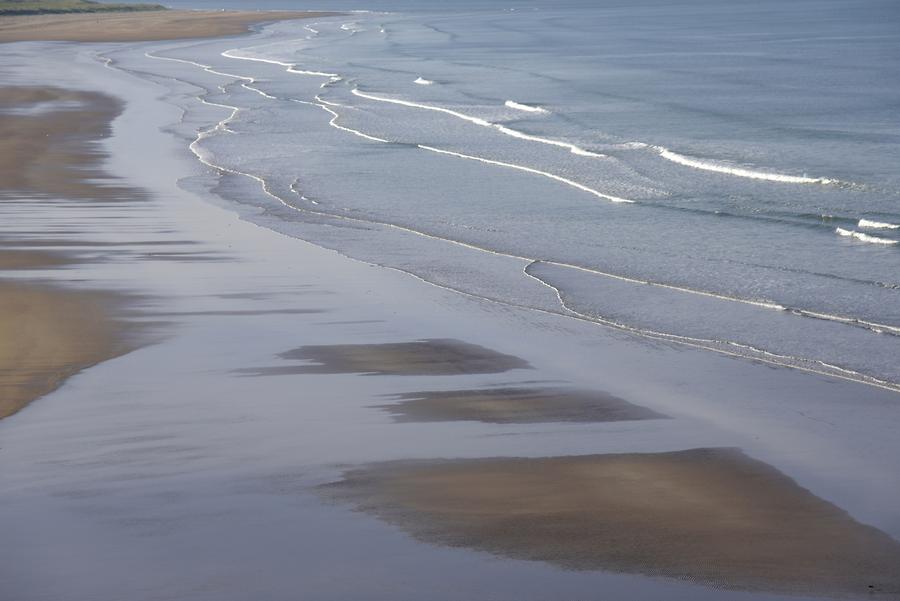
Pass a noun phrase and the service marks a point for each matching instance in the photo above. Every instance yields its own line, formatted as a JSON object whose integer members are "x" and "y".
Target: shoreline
{"x": 273, "y": 377}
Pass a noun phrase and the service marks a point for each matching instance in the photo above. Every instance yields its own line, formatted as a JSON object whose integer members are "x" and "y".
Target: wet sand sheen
{"x": 714, "y": 516}
{"x": 48, "y": 144}
{"x": 48, "y": 334}
{"x": 432, "y": 357}
{"x": 515, "y": 406}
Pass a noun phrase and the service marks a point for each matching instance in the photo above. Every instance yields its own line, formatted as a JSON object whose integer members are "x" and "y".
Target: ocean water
{"x": 724, "y": 175}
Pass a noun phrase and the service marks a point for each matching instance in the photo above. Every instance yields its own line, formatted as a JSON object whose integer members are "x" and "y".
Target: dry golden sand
{"x": 433, "y": 357}
{"x": 48, "y": 334}
{"x": 713, "y": 516}
{"x": 515, "y": 406}
{"x": 140, "y": 26}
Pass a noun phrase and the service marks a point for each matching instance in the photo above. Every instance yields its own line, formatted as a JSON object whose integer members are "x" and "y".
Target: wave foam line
{"x": 577, "y": 150}
{"x": 423, "y": 82}
{"x": 863, "y": 237}
{"x": 525, "y": 107}
{"x": 208, "y": 68}
{"x": 552, "y": 176}
{"x": 738, "y": 171}
{"x": 321, "y": 103}
{"x": 289, "y": 67}
{"x": 746, "y": 351}
{"x": 759, "y": 354}
{"x": 325, "y": 106}
{"x": 877, "y": 225}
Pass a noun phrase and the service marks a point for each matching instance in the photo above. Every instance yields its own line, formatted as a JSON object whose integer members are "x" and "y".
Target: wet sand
{"x": 140, "y": 26}
{"x": 48, "y": 150}
{"x": 434, "y": 357}
{"x": 48, "y": 144}
{"x": 49, "y": 333}
{"x": 515, "y": 406}
{"x": 713, "y": 516}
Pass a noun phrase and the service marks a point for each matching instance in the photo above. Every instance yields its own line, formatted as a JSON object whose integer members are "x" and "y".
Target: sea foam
{"x": 525, "y": 107}
{"x": 877, "y": 225}
{"x": 738, "y": 171}
{"x": 864, "y": 237}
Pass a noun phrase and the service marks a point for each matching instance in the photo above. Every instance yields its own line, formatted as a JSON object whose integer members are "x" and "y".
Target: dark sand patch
{"x": 53, "y": 151}
{"x": 714, "y": 516}
{"x": 132, "y": 27}
{"x": 434, "y": 357}
{"x": 18, "y": 259}
{"x": 515, "y": 406}
{"x": 48, "y": 334}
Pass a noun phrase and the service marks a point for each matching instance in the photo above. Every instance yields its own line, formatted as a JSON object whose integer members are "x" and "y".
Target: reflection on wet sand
{"x": 714, "y": 516}
{"x": 515, "y": 406}
{"x": 433, "y": 357}
{"x": 47, "y": 334}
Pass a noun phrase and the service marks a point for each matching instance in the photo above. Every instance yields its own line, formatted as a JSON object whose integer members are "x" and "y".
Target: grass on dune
{"x": 39, "y": 7}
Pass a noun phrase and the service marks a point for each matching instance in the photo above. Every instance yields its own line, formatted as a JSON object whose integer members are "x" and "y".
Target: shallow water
{"x": 718, "y": 175}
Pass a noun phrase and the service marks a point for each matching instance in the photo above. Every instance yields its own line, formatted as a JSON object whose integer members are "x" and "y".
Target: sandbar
{"x": 713, "y": 516}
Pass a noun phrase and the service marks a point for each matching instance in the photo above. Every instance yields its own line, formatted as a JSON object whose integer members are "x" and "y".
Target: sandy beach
{"x": 49, "y": 149}
{"x": 136, "y": 27}
{"x": 220, "y": 411}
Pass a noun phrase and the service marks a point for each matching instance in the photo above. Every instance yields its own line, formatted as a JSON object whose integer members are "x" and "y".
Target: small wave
{"x": 576, "y": 150}
{"x": 423, "y": 82}
{"x": 738, "y": 171}
{"x": 525, "y": 107}
{"x": 552, "y": 176}
{"x": 290, "y": 67}
{"x": 877, "y": 225}
{"x": 864, "y": 237}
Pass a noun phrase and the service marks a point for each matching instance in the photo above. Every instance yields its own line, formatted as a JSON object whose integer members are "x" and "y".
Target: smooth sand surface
{"x": 48, "y": 334}
{"x": 138, "y": 26}
{"x": 434, "y": 357}
{"x": 34, "y": 259}
{"x": 515, "y": 406}
{"x": 708, "y": 515}
{"x": 48, "y": 143}
{"x": 48, "y": 149}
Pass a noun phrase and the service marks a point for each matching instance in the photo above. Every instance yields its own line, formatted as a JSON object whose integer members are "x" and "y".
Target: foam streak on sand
{"x": 738, "y": 171}
{"x": 574, "y": 149}
{"x": 864, "y": 237}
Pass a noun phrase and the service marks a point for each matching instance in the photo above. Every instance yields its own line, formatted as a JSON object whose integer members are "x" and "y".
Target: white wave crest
{"x": 552, "y": 176}
{"x": 525, "y": 107}
{"x": 864, "y": 237}
{"x": 877, "y": 225}
{"x": 738, "y": 171}
{"x": 423, "y": 82}
{"x": 577, "y": 150}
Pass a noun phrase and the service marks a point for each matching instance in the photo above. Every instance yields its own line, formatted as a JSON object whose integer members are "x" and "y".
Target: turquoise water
{"x": 723, "y": 175}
